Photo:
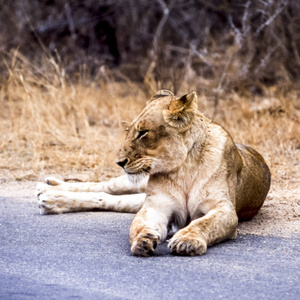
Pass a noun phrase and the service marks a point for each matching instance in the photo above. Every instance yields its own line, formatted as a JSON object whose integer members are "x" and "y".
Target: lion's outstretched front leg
{"x": 115, "y": 186}
{"x": 217, "y": 225}
{"x": 117, "y": 194}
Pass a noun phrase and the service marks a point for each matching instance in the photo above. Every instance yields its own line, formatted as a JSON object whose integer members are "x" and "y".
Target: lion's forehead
{"x": 148, "y": 120}
{"x": 152, "y": 113}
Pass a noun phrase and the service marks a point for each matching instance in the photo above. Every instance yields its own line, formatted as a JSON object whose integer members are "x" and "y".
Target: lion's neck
{"x": 196, "y": 138}
{"x": 203, "y": 140}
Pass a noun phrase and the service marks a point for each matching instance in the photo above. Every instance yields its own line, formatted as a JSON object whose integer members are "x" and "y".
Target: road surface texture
{"x": 87, "y": 256}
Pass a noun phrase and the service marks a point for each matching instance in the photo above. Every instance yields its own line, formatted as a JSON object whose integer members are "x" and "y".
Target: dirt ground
{"x": 279, "y": 216}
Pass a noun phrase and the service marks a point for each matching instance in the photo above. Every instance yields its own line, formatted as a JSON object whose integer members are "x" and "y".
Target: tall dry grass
{"x": 50, "y": 125}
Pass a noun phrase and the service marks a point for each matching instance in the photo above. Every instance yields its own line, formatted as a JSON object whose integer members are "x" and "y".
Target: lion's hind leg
{"x": 58, "y": 201}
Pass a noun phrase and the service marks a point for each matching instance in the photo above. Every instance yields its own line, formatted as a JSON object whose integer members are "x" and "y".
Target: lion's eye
{"x": 142, "y": 134}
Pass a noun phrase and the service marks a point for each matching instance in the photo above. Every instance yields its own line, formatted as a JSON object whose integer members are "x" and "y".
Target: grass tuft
{"x": 50, "y": 125}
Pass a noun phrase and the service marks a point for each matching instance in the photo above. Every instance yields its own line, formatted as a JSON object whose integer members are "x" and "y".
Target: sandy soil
{"x": 279, "y": 216}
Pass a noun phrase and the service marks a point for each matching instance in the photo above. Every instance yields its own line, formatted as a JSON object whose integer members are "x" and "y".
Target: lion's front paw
{"x": 51, "y": 202}
{"x": 145, "y": 244}
{"x": 187, "y": 243}
{"x": 53, "y": 181}
{"x": 42, "y": 188}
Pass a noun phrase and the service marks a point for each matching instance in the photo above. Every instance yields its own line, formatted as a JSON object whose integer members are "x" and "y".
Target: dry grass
{"x": 50, "y": 126}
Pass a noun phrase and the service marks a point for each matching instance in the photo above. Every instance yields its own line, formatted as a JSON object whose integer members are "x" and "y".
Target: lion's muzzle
{"x": 122, "y": 163}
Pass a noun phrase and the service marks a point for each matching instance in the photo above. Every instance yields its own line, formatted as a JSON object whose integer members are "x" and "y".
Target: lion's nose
{"x": 122, "y": 163}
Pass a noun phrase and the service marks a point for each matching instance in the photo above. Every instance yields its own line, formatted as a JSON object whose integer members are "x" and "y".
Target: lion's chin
{"x": 135, "y": 178}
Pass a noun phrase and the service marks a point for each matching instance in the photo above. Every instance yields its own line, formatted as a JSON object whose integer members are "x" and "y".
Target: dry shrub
{"x": 51, "y": 125}
{"x": 218, "y": 44}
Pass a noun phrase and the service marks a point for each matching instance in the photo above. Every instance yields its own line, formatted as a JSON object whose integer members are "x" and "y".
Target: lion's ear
{"x": 160, "y": 94}
{"x": 181, "y": 110}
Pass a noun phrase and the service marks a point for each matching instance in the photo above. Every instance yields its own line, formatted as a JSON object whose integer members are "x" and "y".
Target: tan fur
{"x": 195, "y": 179}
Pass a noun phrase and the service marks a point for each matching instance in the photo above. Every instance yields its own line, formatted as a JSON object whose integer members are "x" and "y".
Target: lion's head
{"x": 157, "y": 139}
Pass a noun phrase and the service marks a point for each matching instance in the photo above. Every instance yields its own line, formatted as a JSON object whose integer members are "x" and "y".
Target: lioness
{"x": 195, "y": 179}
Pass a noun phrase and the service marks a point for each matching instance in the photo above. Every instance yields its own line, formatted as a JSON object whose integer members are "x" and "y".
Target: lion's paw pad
{"x": 144, "y": 245}
{"x": 49, "y": 203}
{"x": 185, "y": 245}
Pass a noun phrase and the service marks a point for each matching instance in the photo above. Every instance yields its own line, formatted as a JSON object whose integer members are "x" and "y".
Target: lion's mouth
{"x": 146, "y": 170}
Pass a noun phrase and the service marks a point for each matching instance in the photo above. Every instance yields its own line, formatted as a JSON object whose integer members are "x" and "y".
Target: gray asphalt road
{"x": 87, "y": 256}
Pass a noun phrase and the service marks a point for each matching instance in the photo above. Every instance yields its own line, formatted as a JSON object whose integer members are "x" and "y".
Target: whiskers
{"x": 139, "y": 169}
{"x": 144, "y": 167}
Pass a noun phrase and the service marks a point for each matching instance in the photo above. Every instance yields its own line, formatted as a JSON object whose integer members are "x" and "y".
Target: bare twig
{"x": 280, "y": 8}
{"x": 192, "y": 51}
{"x": 238, "y": 35}
{"x": 266, "y": 59}
{"x": 161, "y": 24}
{"x": 70, "y": 20}
{"x": 246, "y": 28}
{"x": 223, "y": 76}
{"x": 219, "y": 89}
